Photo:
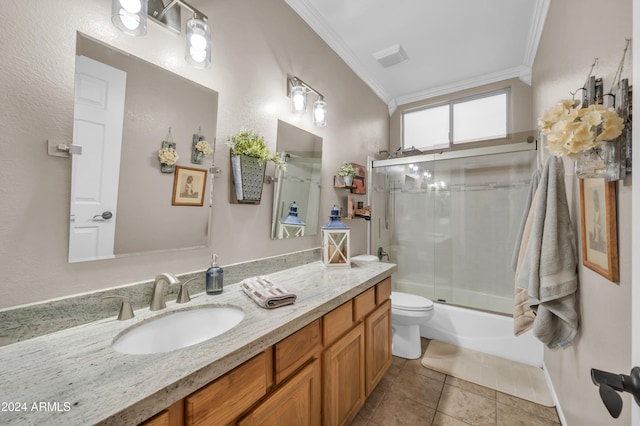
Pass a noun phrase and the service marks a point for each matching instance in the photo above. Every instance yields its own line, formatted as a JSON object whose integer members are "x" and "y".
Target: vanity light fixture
{"x": 130, "y": 16}
{"x": 297, "y": 90}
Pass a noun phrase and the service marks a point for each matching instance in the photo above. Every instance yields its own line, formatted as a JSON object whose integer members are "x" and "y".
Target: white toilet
{"x": 408, "y": 311}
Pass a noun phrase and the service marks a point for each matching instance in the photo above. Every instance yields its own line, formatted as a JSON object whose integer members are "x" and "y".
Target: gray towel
{"x": 267, "y": 294}
{"x": 548, "y": 270}
{"x": 533, "y": 185}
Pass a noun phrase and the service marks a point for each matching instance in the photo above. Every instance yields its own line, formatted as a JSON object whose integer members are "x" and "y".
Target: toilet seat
{"x": 410, "y": 302}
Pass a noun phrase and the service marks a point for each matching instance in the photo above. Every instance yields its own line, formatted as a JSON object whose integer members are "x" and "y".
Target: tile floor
{"x": 410, "y": 394}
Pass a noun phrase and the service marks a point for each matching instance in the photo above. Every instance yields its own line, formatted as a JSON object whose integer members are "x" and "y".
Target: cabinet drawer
{"x": 227, "y": 397}
{"x": 383, "y": 290}
{"x": 337, "y": 322}
{"x": 363, "y": 304}
{"x": 292, "y": 352}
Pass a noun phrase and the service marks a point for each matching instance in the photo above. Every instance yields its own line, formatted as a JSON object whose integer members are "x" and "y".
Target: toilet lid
{"x": 410, "y": 302}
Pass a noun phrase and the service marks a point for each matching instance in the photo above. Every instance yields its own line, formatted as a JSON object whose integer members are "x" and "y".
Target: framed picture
{"x": 359, "y": 186}
{"x": 599, "y": 227}
{"x": 188, "y": 186}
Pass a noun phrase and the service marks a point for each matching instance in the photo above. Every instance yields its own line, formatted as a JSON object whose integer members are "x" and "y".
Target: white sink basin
{"x": 178, "y": 330}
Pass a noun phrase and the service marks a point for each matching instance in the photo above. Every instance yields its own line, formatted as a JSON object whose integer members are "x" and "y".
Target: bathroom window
{"x": 465, "y": 120}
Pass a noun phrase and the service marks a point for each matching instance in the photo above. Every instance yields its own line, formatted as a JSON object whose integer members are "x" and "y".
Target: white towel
{"x": 267, "y": 294}
{"x": 548, "y": 268}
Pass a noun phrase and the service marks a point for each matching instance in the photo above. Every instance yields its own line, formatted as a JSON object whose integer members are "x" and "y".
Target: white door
{"x": 97, "y": 127}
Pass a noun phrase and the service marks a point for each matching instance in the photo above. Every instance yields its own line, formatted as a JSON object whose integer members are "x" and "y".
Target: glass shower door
{"x": 450, "y": 226}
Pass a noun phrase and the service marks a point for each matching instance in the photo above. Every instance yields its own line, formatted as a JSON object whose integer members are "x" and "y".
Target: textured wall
{"x": 256, "y": 43}
{"x": 569, "y": 44}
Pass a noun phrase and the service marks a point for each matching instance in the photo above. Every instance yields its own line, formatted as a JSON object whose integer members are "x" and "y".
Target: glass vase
{"x": 599, "y": 162}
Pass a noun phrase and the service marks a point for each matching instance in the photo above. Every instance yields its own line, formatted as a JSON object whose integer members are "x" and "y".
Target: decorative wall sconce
{"x": 335, "y": 241}
{"x": 130, "y": 16}
{"x": 297, "y": 90}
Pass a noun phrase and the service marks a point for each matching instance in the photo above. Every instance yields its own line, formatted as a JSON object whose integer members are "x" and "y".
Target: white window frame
{"x": 451, "y": 142}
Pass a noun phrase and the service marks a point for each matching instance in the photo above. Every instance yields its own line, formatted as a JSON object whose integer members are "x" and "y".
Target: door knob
{"x": 104, "y": 216}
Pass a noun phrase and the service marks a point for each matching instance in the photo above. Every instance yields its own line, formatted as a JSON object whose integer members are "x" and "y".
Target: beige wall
{"x": 256, "y": 43}
{"x": 577, "y": 31}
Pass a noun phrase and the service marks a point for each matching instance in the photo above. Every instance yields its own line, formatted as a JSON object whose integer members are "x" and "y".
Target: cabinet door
{"x": 222, "y": 401}
{"x": 172, "y": 416}
{"x": 297, "y": 402}
{"x": 343, "y": 374}
{"x": 297, "y": 349}
{"x": 378, "y": 341}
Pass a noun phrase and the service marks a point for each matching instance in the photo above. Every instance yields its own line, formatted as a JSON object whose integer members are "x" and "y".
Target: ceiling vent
{"x": 392, "y": 55}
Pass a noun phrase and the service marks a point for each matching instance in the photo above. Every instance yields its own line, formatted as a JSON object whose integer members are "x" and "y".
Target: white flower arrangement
{"x": 204, "y": 147}
{"x": 571, "y": 131}
{"x": 168, "y": 156}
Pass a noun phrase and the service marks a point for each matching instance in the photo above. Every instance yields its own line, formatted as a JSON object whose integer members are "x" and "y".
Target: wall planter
{"x": 248, "y": 157}
{"x": 248, "y": 178}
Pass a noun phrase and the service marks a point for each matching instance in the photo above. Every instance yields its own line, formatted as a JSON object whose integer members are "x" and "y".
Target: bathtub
{"x": 483, "y": 332}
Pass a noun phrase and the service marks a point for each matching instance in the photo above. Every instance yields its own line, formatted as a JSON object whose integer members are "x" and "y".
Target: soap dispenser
{"x": 214, "y": 277}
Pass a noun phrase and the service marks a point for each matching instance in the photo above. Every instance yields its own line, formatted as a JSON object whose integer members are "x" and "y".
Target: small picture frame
{"x": 188, "y": 186}
{"x": 599, "y": 227}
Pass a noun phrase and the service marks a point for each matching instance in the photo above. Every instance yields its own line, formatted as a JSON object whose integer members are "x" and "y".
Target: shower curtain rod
{"x": 463, "y": 153}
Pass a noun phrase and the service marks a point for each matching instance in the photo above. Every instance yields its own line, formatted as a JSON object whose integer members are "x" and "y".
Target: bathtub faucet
{"x": 382, "y": 253}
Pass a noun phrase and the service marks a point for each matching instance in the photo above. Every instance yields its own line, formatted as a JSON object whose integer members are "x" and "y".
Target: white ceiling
{"x": 451, "y": 44}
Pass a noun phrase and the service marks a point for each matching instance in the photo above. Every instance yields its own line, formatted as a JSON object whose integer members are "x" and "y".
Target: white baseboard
{"x": 554, "y": 396}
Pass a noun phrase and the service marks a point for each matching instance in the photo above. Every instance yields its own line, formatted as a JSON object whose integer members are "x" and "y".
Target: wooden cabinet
{"x": 225, "y": 399}
{"x": 172, "y": 416}
{"x": 297, "y": 402}
{"x": 344, "y": 378}
{"x": 294, "y": 351}
{"x": 378, "y": 344}
{"x": 321, "y": 374}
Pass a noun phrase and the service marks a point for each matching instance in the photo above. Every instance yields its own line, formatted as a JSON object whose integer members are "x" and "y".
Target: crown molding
{"x": 309, "y": 14}
{"x": 535, "y": 32}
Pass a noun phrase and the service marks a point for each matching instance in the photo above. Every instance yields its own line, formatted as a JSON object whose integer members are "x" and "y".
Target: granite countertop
{"x": 75, "y": 377}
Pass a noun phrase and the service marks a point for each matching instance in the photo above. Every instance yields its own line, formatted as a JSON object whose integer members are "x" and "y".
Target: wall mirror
{"x": 300, "y": 182}
{"x": 120, "y": 199}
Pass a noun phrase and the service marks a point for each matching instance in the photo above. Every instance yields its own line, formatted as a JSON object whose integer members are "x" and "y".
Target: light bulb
{"x": 129, "y": 20}
{"x": 298, "y": 102}
{"x": 198, "y": 41}
{"x": 131, "y": 6}
{"x": 198, "y": 55}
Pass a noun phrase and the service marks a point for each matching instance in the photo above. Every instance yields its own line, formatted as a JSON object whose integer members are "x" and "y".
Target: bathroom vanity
{"x": 315, "y": 361}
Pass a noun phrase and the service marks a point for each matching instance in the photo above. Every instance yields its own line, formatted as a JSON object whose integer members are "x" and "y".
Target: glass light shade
{"x": 130, "y": 16}
{"x": 320, "y": 113}
{"x": 198, "y": 47}
{"x": 298, "y": 99}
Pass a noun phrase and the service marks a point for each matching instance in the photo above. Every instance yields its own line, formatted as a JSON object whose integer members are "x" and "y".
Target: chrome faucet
{"x": 157, "y": 300}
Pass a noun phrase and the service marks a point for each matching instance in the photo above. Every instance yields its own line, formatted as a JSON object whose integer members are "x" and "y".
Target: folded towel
{"x": 267, "y": 294}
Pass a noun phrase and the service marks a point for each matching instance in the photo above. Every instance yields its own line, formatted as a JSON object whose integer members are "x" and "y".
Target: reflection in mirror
{"x": 300, "y": 183}
{"x": 124, "y": 108}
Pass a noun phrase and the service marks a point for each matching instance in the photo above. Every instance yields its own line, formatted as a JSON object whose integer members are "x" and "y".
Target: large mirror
{"x": 121, "y": 201}
{"x": 301, "y": 151}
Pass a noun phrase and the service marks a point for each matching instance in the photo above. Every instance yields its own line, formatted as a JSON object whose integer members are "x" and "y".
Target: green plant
{"x": 347, "y": 169}
{"x": 251, "y": 144}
